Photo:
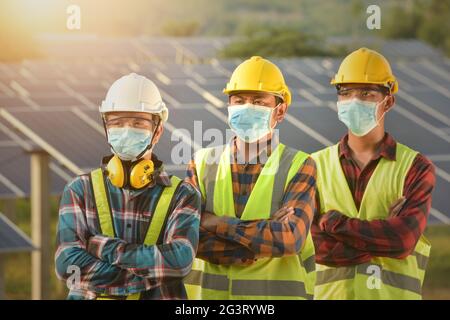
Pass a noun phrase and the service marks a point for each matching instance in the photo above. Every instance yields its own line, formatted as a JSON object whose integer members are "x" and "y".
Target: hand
{"x": 396, "y": 207}
{"x": 326, "y": 220}
{"x": 209, "y": 221}
{"x": 283, "y": 214}
{"x": 316, "y": 218}
{"x": 91, "y": 248}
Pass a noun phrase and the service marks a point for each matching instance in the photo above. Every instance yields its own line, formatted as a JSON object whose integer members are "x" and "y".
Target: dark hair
{"x": 278, "y": 100}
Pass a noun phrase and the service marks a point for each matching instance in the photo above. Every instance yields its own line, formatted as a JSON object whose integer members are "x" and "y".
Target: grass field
{"x": 18, "y": 265}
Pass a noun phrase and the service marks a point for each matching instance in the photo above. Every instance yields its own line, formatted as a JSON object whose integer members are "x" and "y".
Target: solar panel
{"x": 15, "y": 174}
{"x": 419, "y": 120}
{"x": 202, "y": 48}
{"x": 206, "y": 71}
{"x": 393, "y": 49}
{"x": 12, "y": 239}
{"x": 184, "y": 94}
{"x": 11, "y": 102}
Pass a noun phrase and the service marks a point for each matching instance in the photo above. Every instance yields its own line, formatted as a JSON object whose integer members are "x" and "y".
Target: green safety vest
{"x": 289, "y": 277}
{"x": 381, "y": 278}
{"x": 105, "y": 214}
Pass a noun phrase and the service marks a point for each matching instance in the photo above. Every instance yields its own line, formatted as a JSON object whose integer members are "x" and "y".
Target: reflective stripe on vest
{"x": 106, "y": 220}
{"x": 268, "y": 278}
{"x": 284, "y": 288}
{"x": 388, "y": 277}
{"x": 381, "y": 278}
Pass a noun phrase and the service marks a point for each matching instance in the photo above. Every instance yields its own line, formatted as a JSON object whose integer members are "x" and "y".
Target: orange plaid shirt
{"x": 241, "y": 242}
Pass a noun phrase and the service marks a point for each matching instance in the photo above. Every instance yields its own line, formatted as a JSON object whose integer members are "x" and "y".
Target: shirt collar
{"x": 267, "y": 146}
{"x": 160, "y": 175}
{"x": 386, "y": 149}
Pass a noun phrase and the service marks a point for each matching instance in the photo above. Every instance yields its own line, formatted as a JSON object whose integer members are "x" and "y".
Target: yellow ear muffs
{"x": 141, "y": 173}
{"x": 116, "y": 172}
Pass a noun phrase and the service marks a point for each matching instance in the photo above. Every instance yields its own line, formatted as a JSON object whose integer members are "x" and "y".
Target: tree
{"x": 278, "y": 42}
{"x": 435, "y": 25}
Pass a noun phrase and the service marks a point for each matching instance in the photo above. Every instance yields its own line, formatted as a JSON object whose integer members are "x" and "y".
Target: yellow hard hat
{"x": 366, "y": 66}
{"x": 258, "y": 74}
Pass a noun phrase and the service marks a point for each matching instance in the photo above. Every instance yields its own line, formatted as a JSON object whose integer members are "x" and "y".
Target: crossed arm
{"x": 229, "y": 240}
{"x": 341, "y": 240}
{"x": 113, "y": 266}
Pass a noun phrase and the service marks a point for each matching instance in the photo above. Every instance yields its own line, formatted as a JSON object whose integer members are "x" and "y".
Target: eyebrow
{"x": 362, "y": 86}
{"x": 258, "y": 96}
{"x": 114, "y": 117}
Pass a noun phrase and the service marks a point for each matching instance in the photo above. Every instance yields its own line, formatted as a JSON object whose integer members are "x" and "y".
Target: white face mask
{"x": 128, "y": 143}
{"x": 250, "y": 122}
{"x": 359, "y": 116}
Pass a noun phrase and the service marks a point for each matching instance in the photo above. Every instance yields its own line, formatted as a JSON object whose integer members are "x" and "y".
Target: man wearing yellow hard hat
{"x": 258, "y": 199}
{"x": 374, "y": 194}
{"x": 128, "y": 230}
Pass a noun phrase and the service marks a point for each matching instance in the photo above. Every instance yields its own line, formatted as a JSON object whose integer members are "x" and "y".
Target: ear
{"x": 104, "y": 125}
{"x": 158, "y": 133}
{"x": 390, "y": 102}
{"x": 281, "y": 112}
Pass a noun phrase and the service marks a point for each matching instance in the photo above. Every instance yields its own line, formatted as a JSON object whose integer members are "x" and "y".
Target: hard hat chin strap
{"x": 106, "y": 132}
{"x": 276, "y": 121}
{"x": 150, "y": 145}
{"x": 382, "y": 102}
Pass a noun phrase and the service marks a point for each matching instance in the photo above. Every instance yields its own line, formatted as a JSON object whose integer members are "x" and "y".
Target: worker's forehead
{"x": 119, "y": 114}
{"x": 359, "y": 85}
{"x": 253, "y": 95}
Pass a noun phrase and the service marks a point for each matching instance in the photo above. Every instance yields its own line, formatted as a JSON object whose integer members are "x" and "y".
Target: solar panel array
{"x": 12, "y": 239}
{"x": 53, "y": 104}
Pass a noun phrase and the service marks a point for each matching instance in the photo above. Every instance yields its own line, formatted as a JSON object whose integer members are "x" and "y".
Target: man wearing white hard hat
{"x": 128, "y": 230}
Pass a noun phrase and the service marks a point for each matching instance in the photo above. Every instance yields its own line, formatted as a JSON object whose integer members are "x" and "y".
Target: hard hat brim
{"x": 230, "y": 92}
{"x": 394, "y": 88}
{"x": 160, "y": 111}
{"x": 285, "y": 98}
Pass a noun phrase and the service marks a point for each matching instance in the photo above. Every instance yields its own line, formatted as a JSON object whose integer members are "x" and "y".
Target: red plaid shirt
{"x": 342, "y": 241}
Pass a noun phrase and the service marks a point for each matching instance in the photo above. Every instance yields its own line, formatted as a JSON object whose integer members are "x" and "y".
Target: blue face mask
{"x": 359, "y": 116}
{"x": 128, "y": 143}
{"x": 250, "y": 122}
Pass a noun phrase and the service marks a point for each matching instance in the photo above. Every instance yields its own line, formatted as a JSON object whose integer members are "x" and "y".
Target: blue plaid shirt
{"x": 123, "y": 265}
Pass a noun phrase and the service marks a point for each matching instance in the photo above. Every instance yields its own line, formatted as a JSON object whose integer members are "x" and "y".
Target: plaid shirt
{"x": 341, "y": 241}
{"x": 123, "y": 265}
{"x": 241, "y": 242}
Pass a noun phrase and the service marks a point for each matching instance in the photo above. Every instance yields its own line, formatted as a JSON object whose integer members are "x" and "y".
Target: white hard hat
{"x": 134, "y": 93}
